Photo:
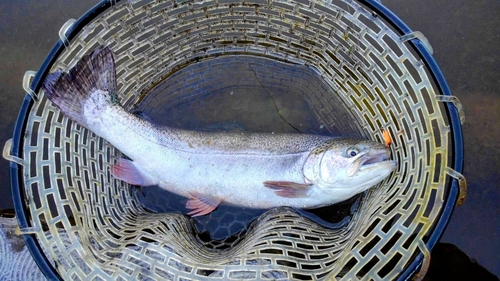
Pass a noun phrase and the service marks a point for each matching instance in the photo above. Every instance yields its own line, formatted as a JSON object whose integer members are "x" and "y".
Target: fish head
{"x": 347, "y": 167}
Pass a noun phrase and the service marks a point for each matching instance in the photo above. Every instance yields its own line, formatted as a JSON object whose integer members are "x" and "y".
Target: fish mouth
{"x": 375, "y": 158}
{"x": 372, "y": 159}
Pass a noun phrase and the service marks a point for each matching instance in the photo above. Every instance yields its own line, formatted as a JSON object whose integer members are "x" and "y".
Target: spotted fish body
{"x": 255, "y": 170}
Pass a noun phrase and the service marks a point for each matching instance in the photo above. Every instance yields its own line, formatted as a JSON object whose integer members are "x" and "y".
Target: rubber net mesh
{"x": 91, "y": 225}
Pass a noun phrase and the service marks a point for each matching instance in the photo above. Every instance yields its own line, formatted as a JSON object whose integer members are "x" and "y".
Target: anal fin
{"x": 127, "y": 171}
{"x": 289, "y": 189}
{"x": 201, "y": 204}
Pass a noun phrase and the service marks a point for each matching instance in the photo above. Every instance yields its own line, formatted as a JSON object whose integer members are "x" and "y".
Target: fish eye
{"x": 352, "y": 151}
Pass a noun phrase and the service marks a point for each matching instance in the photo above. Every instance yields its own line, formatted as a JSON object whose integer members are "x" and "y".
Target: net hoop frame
{"x": 376, "y": 6}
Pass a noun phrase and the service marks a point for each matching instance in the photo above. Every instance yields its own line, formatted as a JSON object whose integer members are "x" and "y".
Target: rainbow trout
{"x": 255, "y": 170}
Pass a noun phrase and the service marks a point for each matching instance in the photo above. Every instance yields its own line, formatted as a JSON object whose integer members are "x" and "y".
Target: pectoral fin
{"x": 289, "y": 189}
{"x": 201, "y": 204}
{"x": 127, "y": 171}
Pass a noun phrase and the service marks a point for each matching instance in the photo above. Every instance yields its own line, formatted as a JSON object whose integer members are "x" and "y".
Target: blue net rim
{"x": 16, "y": 174}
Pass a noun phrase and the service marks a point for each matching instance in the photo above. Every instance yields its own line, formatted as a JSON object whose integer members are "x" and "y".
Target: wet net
{"x": 86, "y": 225}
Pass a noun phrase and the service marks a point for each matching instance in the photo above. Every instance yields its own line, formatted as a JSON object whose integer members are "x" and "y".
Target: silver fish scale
{"x": 377, "y": 78}
{"x": 240, "y": 142}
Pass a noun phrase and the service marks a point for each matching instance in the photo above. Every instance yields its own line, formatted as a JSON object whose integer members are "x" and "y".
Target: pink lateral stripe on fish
{"x": 255, "y": 170}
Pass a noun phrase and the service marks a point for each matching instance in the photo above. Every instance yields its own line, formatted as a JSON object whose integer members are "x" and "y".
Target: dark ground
{"x": 465, "y": 36}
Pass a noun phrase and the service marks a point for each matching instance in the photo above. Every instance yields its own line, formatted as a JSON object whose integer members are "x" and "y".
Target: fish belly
{"x": 236, "y": 179}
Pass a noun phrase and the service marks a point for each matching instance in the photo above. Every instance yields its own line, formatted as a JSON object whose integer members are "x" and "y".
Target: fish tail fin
{"x": 87, "y": 89}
